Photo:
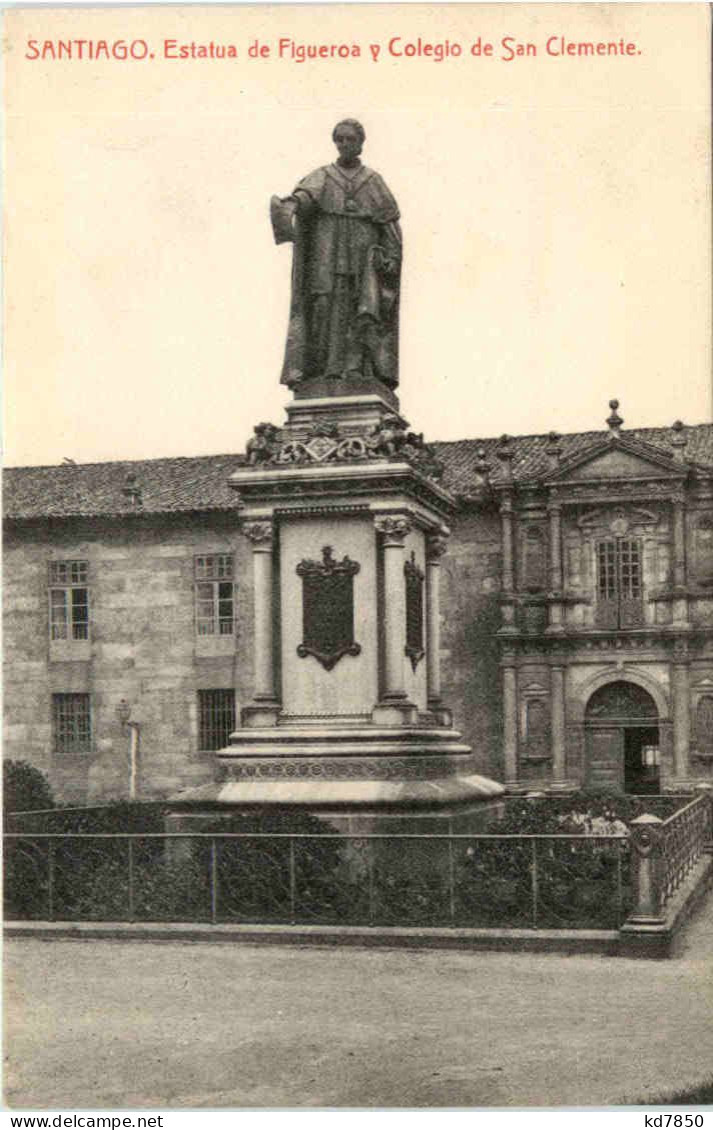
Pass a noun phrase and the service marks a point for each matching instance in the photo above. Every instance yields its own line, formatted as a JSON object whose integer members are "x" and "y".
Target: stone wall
{"x": 143, "y": 648}
{"x": 470, "y": 584}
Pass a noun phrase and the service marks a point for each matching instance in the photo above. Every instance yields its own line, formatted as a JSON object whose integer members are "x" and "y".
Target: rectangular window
{"x": 69, "y": 600}
{"x": 214, "y": 595}
{"x": 72, "y": 725}
{"x": 216, "y": 717}
{"x": 619, "y": 583}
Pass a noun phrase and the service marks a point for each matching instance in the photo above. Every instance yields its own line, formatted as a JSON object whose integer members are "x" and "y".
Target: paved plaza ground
{"x": 170, "y": 1024}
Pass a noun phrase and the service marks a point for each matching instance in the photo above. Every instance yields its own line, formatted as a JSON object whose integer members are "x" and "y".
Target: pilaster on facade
{"x": 558, "y": 724}
{"x": 508, "y": 666}
{"x": 681, "y": 696}
{"x": 508, "y": 600}
{"x": 555, "y": 606}
{"x": 680, "y": 578}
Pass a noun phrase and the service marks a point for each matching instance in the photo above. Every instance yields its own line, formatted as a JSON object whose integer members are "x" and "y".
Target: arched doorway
{"x": 622, "y": 739}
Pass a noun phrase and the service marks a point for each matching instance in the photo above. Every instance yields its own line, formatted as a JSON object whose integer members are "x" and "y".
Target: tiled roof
{"x": 200, "y": 483}
{"x": 530, "y": 458}
{"x": 94, "y": 489}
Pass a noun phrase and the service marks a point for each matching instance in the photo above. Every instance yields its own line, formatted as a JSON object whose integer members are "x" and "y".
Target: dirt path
{"x": 103, "y": 1024}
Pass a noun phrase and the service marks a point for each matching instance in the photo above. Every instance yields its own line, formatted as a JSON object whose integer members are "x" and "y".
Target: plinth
{"x": 348, "y": 521}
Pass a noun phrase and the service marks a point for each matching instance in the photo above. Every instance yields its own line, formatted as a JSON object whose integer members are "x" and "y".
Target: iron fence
{"x": 486, "y": 880}
{"x": 685, "y": 836}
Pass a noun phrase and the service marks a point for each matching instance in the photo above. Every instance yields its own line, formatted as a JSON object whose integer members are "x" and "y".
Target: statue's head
{"x": 349, "y": 137}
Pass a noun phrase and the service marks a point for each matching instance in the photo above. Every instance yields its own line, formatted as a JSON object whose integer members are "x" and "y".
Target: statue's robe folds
{"x": 344, "y": 313}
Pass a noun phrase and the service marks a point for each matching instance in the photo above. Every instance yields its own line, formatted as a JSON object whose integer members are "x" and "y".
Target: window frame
{"x": 69, "y": 579}
{"x": 77, "y": 740}
{"x": 218, "y": 733}
{"x": 214, "y": 589}
{"x": 619, "y": 581}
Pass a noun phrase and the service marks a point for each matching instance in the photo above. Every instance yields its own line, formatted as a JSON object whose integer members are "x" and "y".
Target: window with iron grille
{"x": 69, "y": 600}
{"x": 214, "y": 594}
{"x": 216, "y": 718}
{"x": 619, "y": 583}
{"x": 72, "y": 723}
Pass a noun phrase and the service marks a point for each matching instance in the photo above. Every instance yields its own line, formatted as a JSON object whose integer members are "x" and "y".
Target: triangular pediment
{"x": 617, "y": 459}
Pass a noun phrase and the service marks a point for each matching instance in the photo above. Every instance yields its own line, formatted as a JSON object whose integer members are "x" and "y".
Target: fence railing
{"x": 528, "y": 881}
{"x": 666, "y": 851}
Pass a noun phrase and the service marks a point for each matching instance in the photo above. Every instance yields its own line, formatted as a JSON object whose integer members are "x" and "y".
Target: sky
{"x": 555, "y": 209}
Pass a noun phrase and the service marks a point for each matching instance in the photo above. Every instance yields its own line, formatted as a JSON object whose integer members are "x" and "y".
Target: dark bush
{"x": 24, "y": 788}
{"x": 555, "y": 814}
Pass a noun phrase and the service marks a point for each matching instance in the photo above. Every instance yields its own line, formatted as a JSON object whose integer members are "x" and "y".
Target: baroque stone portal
{"x": 344, "y": 311}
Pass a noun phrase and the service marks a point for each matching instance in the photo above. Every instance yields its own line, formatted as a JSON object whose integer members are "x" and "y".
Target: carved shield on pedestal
{"x": 328, "y": 608}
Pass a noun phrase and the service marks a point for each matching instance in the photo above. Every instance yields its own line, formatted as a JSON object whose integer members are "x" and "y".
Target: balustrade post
{"x": 451, "y": 882}
{"x": 535, "y": 885}
{"x": 706, "y": 790}
{"x": 647, "y": 861}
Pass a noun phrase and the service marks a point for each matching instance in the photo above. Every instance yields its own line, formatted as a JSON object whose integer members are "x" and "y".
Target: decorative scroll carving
{"x": 259, "y": 533}
{"x": 394, "y": 530}
{"x": 263, "y": 446}
{"x": 350, "y": 768}
{"x": 324, "y": 443}
{"x": 328, "y": 608}
{"x": 621, "y": 700}
{"x": 436, "y": 546}
{"x": 414, "y": 611}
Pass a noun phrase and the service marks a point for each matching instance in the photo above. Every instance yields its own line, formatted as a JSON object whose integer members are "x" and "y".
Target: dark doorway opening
{"x": 622, "y": 734}
{"x": 642, "y": 771}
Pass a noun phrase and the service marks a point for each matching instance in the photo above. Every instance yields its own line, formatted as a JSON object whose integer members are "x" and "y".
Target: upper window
{"x": 619, "y": 583}
{"x": 215, "y": 614}
{"x": 69, "y": 600}
{"x": 71, "y": 723}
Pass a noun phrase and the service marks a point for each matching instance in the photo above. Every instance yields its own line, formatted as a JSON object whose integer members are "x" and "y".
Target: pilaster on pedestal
{"x": 265, "y": 707}
{"x": 436, "y": 546}
{"x": 394, "y": 707}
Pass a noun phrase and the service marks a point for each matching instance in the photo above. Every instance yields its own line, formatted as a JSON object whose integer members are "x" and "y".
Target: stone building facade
{"x": 576, "y": 608}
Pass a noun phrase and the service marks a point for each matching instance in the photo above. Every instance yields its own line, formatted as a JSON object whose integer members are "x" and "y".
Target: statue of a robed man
{"x": 344, "y": 312}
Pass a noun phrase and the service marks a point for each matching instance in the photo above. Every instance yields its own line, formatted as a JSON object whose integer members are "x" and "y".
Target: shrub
{"x": 25, "y": 788}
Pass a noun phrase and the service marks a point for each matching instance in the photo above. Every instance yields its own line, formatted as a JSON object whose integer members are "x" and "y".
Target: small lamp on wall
{"x": 123, "y": 713}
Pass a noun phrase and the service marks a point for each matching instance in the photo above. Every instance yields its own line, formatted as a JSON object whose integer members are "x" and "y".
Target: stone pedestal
{"x": 347, "y": 520}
